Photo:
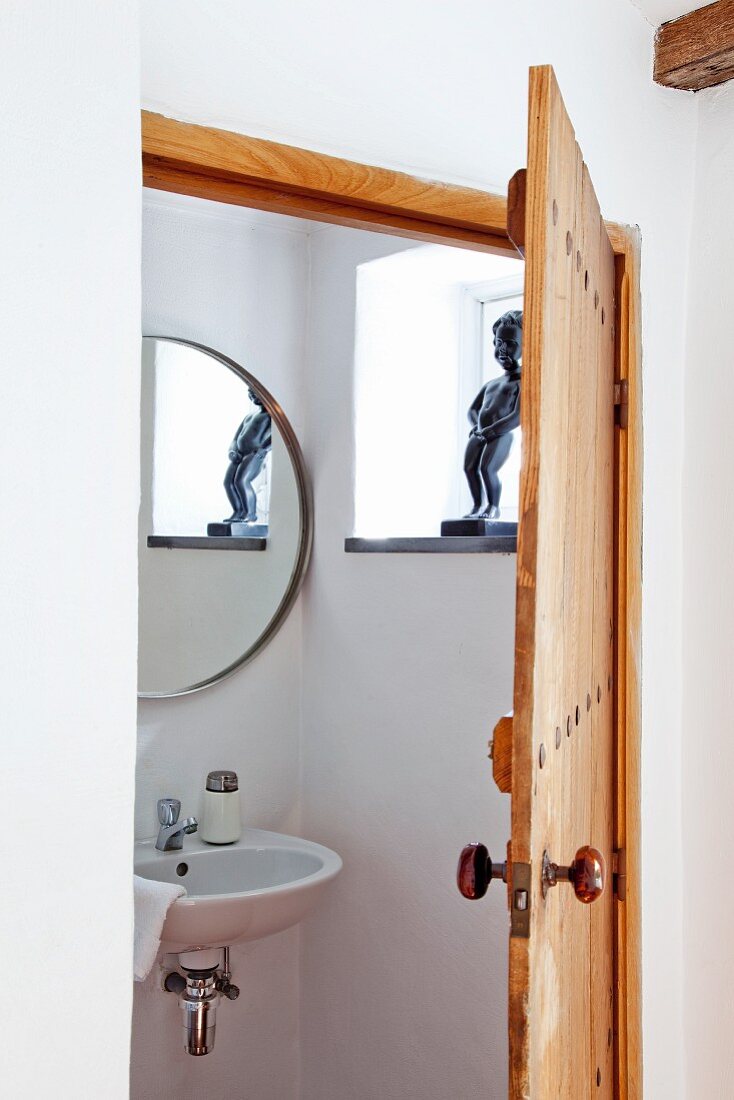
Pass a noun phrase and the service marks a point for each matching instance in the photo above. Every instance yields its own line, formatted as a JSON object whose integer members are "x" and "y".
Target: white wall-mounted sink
{"x": 262, "y": 884}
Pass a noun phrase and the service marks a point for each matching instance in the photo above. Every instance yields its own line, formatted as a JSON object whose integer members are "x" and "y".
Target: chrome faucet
{"x": 171, "y": 832}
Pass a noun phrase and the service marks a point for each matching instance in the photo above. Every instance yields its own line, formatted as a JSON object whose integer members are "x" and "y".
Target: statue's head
{"x": 507, "y": 331}
{"x": 255, "y": 397}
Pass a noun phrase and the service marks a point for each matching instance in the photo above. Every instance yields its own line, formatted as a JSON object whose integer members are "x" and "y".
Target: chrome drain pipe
{"x": 198, "y": 1003}
{"x": 199, "y": 989}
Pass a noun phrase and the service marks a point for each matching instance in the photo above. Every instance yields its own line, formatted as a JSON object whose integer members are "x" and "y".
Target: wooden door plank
{"x": 697, "y": 50}
{"x": 559, "y": 1002}
{"x": 549, "y": 272}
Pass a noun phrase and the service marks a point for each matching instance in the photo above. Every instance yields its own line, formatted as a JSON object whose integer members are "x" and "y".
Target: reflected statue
{"x": 494, "y": 414}
{"x": 247, "y": 453}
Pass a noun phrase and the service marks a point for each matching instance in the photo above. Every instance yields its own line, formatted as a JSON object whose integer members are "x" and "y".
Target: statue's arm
{"x": 475, "y": 406}
{"x": 506, "y": 423}
{"x": 263, "y": 436}
{"x": 234, "y": 445}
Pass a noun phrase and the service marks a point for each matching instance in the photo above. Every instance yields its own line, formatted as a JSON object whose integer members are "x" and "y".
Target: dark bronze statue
{"x": 494, "y": 414}
{"x": 247, "y": 453}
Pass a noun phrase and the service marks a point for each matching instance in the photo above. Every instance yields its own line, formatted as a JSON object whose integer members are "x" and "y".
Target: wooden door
{"x": 561, "y": 1006}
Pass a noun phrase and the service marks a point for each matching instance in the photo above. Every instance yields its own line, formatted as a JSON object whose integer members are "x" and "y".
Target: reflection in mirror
{"x": 225, "y": 517}
{"x": 248, "y": 456}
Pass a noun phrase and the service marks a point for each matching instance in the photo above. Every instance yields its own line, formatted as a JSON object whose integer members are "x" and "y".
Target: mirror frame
{"x": 305, "y": 520}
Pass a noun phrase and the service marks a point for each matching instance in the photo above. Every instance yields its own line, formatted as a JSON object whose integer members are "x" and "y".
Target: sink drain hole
{"x": 182, "y": 869}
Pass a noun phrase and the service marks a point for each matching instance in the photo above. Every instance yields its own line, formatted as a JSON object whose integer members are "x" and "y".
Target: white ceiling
{"x": 660, "y": 11}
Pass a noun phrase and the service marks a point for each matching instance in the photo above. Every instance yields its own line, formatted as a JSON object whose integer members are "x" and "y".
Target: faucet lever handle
{"x": 168, "y": 810}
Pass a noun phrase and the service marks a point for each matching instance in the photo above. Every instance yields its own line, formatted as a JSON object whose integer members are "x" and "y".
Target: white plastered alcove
{"x": 420, "y": 358}
{"x": 344, "y": 729}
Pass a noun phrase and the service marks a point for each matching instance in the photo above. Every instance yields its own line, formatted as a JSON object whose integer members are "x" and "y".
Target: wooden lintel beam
{"x": 162, "y": 177}
{"x": 223, "y": 166}
{"x": 697, "y": 50}
{"x": 316, "y": 181}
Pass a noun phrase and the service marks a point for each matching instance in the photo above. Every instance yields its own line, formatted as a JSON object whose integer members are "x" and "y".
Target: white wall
{"x": 69, "y": 305}
{"x": 441, "y": 90}
{"x": 708, "y": 610}
{"x": 406, "y": 661}
{"x": 234, "y": 280}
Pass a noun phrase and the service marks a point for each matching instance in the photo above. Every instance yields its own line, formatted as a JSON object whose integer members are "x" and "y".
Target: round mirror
{"x": 225, "y": 518}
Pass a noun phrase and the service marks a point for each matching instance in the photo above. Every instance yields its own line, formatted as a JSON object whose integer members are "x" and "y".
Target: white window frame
{"x": 475, "y": 298}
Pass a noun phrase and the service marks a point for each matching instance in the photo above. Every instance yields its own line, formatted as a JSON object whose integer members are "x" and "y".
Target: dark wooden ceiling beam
{"x": 697, "y": 50}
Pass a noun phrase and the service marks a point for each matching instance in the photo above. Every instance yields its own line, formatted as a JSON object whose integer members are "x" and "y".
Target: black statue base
{"x": 237, "y": 530}
{"x": 475, "y": 526}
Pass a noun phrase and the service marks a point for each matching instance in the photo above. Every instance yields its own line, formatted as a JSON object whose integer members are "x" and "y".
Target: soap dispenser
{"x": 220, "y": 818}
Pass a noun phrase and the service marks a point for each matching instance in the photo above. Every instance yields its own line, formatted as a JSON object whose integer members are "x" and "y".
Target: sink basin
{"x": 262, "y": 884}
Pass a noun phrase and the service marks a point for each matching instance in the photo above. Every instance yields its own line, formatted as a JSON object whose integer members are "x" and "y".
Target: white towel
{"x": 152, "y": 902}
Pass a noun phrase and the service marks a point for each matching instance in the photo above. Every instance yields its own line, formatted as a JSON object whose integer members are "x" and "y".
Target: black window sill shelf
{"x": 454, "y": 544}
{"x": 205, "y": 542}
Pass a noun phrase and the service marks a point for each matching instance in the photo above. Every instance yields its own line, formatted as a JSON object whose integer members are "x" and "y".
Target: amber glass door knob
{"x": 587, "y": 874}
{"x": 476, "y": 871}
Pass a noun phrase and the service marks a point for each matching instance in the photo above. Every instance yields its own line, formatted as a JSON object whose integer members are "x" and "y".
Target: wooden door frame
{"x": 227, "y": 167}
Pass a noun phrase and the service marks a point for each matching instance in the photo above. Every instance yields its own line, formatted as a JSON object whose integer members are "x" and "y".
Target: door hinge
{"x": 520, "y": 900}
{"x": 621, "y": 403}
{"x": 619, "y": 873}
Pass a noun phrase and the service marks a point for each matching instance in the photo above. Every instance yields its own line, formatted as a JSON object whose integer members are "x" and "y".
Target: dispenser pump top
{"x": 222, "y": 781}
